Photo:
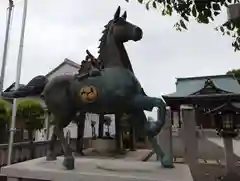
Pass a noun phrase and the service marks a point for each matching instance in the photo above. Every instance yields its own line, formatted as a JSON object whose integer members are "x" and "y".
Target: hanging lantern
{"x": 227, "y": 124}
{"x": 226, "y": 119}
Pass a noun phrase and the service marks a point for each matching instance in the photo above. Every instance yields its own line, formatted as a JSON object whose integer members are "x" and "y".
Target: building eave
{"x": 66, "y": 61}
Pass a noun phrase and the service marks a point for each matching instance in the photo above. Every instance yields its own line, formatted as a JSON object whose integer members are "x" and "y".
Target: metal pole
{"x": 18, "y": 75}
{"x": 5, "y": 50}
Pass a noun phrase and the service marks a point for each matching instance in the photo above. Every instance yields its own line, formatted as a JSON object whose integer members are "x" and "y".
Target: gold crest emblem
{"x": 88, "y": 94}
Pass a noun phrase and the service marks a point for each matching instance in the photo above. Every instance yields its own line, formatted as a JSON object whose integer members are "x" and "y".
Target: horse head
{"x": 118, "y": 31}
{"x": 123, "y": 30}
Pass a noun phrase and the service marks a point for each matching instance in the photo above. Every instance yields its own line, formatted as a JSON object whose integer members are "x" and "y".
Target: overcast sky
{"x": 58, "y": 29}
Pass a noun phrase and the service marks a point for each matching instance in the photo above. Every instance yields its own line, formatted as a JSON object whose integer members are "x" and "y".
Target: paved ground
{"x": 209, "y": 172}
{"x": 219, "y": 142}
{"x": 87, "y": 169}
{"x": 206, "y": 172}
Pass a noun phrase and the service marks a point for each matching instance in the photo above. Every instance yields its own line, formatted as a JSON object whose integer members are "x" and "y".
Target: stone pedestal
{"x": 164, "y": 138}
{"x": 104, "y": 145}
{"x": 95, "y": 170}
{"x": 230, "y": 161}
{"x": 229, "y": 155}
{"x": 190, "y": 139}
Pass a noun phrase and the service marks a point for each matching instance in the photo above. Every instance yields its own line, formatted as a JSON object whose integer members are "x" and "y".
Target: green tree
{"x": 107, "y": 122}
{"x": 236, "y": 73}
{"x": 31, "y": 114}
{"x": 5, "y": 117}
{"x": 125, "y": 121}
{"x": 201, "y": 11}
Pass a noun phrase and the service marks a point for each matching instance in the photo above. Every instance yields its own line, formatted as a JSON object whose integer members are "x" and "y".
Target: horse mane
{"x": 127, "y": 64}
{"x": 103, "y": 38}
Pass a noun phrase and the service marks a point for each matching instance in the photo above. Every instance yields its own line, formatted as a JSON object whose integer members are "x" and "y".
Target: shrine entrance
{"x": 210, "y": 102}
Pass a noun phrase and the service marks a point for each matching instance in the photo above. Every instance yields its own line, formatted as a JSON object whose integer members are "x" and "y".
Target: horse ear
{"x": 124, "y": 16}
{"x": 117, "y": 13}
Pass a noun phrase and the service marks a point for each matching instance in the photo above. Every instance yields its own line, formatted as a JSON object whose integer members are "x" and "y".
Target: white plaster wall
{"x": 65, "y": 69}
{"x": 72, "y": 127}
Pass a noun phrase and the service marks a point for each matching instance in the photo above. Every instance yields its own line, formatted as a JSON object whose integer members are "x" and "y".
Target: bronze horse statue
{"x": 114, "y": 89}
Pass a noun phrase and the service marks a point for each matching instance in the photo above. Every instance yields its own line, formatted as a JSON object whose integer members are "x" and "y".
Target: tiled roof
{"x": 66, "y": 61}
{"x": 190, "y": 85}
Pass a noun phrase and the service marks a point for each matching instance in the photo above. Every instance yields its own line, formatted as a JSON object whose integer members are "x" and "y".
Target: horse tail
{"x": 34, "y": 87}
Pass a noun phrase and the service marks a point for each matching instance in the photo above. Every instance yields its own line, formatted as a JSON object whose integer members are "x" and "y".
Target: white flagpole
{"x": 5, "y": 50}
{"x": 18, "y": 75}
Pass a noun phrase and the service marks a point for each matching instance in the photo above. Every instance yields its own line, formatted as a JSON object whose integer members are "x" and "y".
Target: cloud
{"x": 66, "y": 28}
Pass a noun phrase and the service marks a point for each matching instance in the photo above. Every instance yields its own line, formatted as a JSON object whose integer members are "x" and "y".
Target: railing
{"x": 22, "y": 151}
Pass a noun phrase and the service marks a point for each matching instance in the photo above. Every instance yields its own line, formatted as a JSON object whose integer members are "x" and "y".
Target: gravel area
{"x": 209, "y": 172}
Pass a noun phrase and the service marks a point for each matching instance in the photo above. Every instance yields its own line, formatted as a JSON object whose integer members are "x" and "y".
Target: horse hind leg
{"x": 68, "y": 162}
{"x": 51, "y": 155}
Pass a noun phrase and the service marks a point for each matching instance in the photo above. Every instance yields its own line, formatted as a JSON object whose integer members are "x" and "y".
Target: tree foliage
{"x": 31, "y": 113}
{"x": 125, "y": 121}
{"x": 5, "y": 112}
{"x": 236, "y": 73}
{"x": 5, "y": 117}
{"x": 107, "y": 120}
{"x": 201, "y": 11}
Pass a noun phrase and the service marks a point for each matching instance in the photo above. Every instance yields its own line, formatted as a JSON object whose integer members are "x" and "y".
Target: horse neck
{"x": 114, "y": 54}
{"x": 124, "y": 57}
{"x": 109, "y": 54}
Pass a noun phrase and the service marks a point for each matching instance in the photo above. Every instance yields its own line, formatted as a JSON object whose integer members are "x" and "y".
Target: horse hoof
{"x": 51, "y": 156}
{"x": 69, "y": 162}
{"x": 167, "y": 162}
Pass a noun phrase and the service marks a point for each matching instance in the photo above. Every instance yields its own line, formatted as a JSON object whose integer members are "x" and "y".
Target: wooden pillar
{"x": 133, "y": 146}
{"x": 172, "y": 117}
{"x": 100, "y": 125}
{"x": 179, "y": 118}
{"x": 118, "y": 132}
{"x": 80, "y": 133}
{"x": 190, "y": 139}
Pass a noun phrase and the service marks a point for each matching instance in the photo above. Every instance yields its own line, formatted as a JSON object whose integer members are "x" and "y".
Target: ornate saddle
{"x": 90, "y": 67}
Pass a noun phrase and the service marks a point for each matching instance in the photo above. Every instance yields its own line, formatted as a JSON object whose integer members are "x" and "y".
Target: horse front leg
{"x": 153, "y": 128}
{"x": 146, "y": 103}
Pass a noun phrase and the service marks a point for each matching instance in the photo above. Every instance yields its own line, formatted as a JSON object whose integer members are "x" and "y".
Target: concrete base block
{"x": 104, "y": 145}
{"x": 88, "y": 169}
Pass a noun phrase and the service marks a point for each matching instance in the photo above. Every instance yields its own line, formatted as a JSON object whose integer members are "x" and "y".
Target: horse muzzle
{"x": 138, "y": 34}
